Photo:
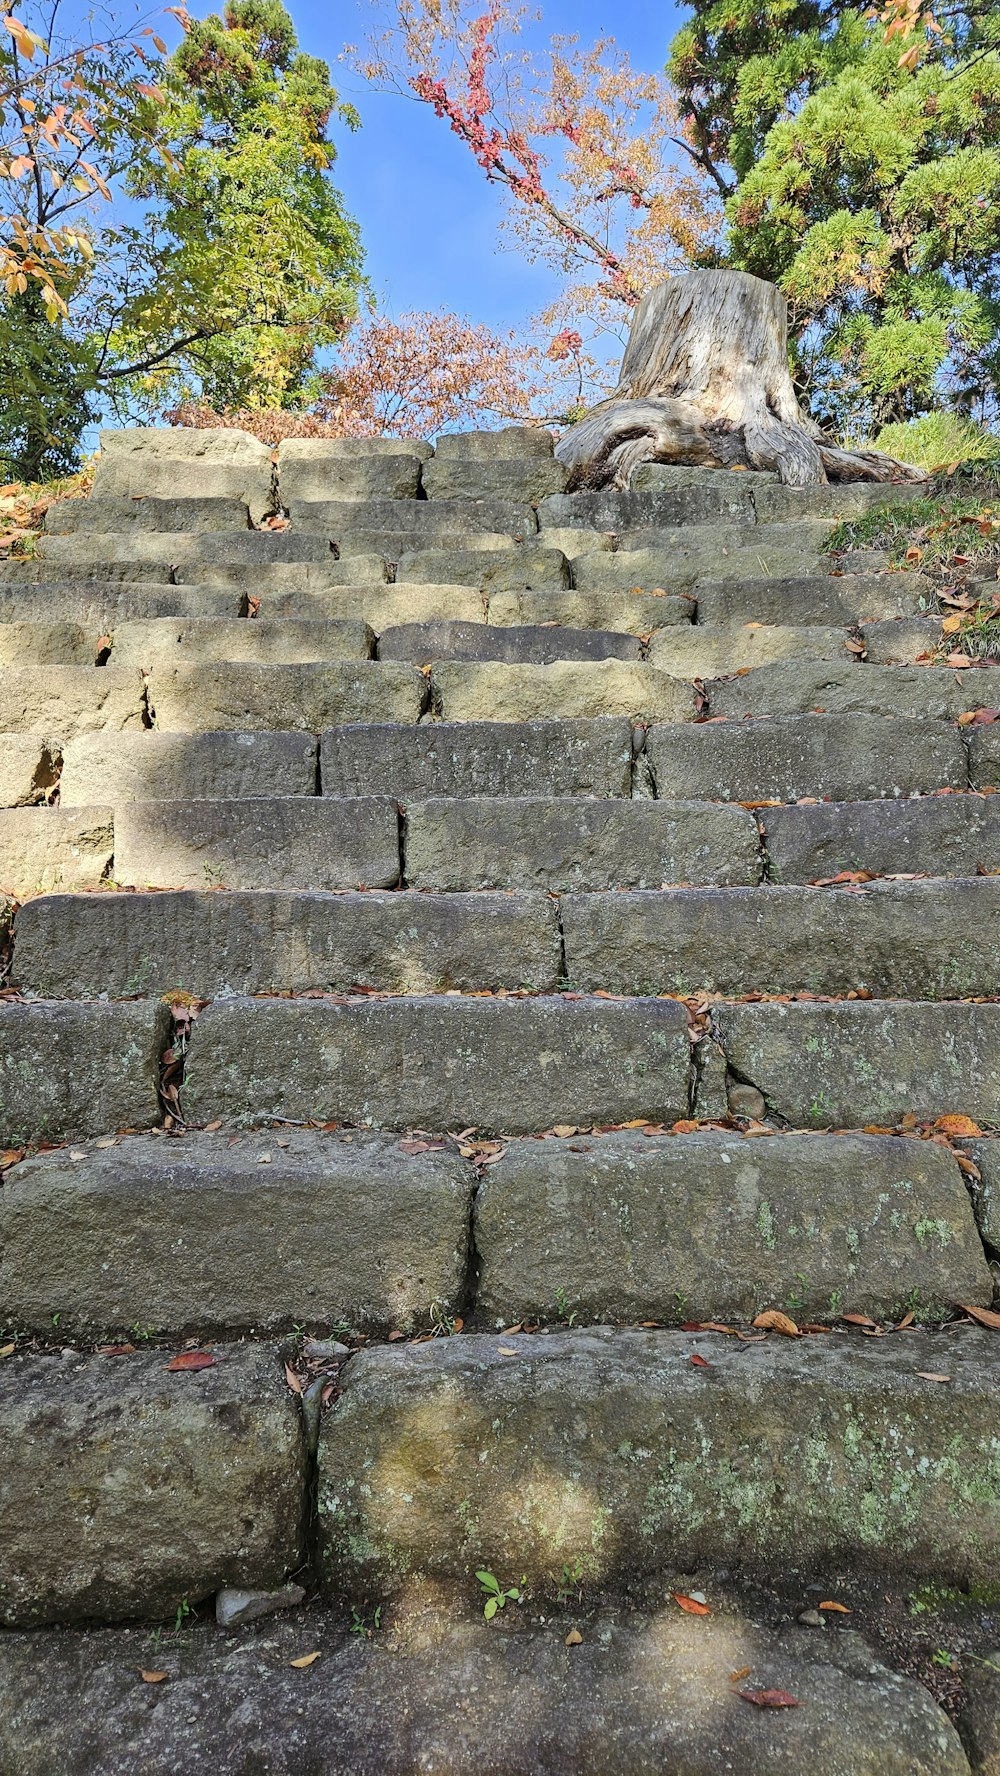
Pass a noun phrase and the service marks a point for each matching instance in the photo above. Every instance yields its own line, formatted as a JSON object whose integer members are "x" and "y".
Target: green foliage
{"x": 869, "y": 191}
{"x": 926, "y": 533}
{"x": 937, "y": 440}
{"x": 497, "y": 1597}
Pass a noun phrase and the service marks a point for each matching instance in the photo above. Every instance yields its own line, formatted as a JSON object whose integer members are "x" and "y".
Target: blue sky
{"x": 428, "y": 218}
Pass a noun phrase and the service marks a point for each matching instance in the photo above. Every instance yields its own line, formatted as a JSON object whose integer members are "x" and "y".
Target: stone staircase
{"x": 470, "y": 951}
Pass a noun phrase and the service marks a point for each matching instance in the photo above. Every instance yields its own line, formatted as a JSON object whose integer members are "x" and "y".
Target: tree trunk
{"x": 705, "y": 380}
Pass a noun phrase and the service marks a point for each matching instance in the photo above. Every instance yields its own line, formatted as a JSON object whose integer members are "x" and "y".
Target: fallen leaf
{"x": 690, "y": 1604}
{"x": 773, "y": 1320}
{"x": 306, "y": 1660}
{"x": 574, "y": 1638}
{"x": 858, "y": 1320}
{"x": 699, "y": 1362}
{"x": 191, "y": 1360}
{"x": 839, "y": 1609}
{"x": 769, "y": 1698}
{"x": 738, "y": 1676}
{"x": 506, "y": 1350}
{"x": 7, "y": 1350}
{"x": 957, "y": 1125}
{"x": 294, "y": 1381}
{"x": 10, "y": 1156}
{"x": 210, "y": 1127}
{"x": 927, "y": 1375}
{"x": 153, "y": 1676}
{"x": 565, "y": 1128}
{"x": 951, "y": 625}
{"x": 984, "y": 1315}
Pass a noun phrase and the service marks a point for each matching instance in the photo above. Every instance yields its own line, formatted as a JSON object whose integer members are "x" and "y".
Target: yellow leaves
{"x": 952, "y": 624}
{"x": 26, "y": 42}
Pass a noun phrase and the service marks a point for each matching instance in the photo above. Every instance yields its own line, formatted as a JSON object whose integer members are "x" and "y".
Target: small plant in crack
{"x": 497, "y": 1596}
{"x": 563, "y": 1309}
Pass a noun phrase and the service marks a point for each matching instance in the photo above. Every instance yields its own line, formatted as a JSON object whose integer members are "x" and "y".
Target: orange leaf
{"x": 858, "y": 1320}
{"x": 738, "y": 1676}
{"x": 984, "y": 1315}
{"x": 699, "y": 1362}
{"x": 957, "y": 1125}
{"x": 691, "y": 1604}
{"x": 153, "y": 1676}
{"x": 951, "y": 625}
{"x": 839, "y": 1609}
{"x": 769, "y": 1698}
{"x": 773, "y": 1320}
{"x": 294, "y": 1381}
{"x": 191, "y": 1360}
{"x": 306, "y": 1660}
{"x": 10, "y": 1156}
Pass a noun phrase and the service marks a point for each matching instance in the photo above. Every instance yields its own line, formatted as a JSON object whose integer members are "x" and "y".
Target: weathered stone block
{"x": 167, "y": 639}
{"x": 611, "y": 1449}
{"x": 623, "y": 1700}
{"x": 46, "y": 644}
{"x": 72, "y": 1070}
{"x": 719, "y": 1226}
{"x": 493, "y": 570}
{"x": 520, "y": 478}
{"x": 399, "y": 542}
{"x": 181, "y": 463}
{"x": 512, "y": 519}
{"x": 255, "y": 579}
{"x": 658, "y": 499}
{"x": 919, "y": 940}
{"x": 776, "y": 503}
{"x": 69, "y": 699}
{"x": 952, "y": 835}
{"x": 380, "y": 606}
{"x": 805, "y": 755}
{"x": 294, "y": 842}
{"x": 539, "y": 645}
{"x": 138, "y": 512}
{"x": 517, "y": 1064}
{"x": 509, "y": 444}
{"x": 794, "y": 687}
{"x": 986, "y": 1191}
{"x": 228, "y": 1234}
{"x": 479, "y": 758}
{"x": 147, "y": 766}
{"x": 246, "y": 696}
{"x": 564, "y": 846}
{"x": 675, "y": 559}
{"x": 984, "y": 757}
{"x": 152, "y": 1487}
{"x": 630, "y": 613}
{"x": 903, "y": 641}
{"x": 127, "y": 570}
{"x": 214, "y": 945}
{"x": 979, "y": 1721}
{"x": 850, "y": 1064}
{"x": 319, "y": 469}
{"x": 100, "y": 605}
{"x": 464, "y": 691}
{"x": 705, "y": 651}
{"x": 102, "y": 551}
{"x": 29, "y": 769}
{"x": 810, "y": 598}
{"x": 46, "y": 848}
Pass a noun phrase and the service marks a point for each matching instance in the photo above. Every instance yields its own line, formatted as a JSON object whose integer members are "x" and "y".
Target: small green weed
{"x": 563, "y": 1308}
{"x": 497, "y": 1598}
{"x": 366, "y": 1630}
{"x": 183, "y": 1611}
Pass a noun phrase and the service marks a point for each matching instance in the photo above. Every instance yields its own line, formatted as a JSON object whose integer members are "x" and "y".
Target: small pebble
{"x": 811, "y": 1619}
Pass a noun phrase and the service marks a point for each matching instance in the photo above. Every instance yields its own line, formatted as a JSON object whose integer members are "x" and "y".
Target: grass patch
{"x": 943, "y": 534}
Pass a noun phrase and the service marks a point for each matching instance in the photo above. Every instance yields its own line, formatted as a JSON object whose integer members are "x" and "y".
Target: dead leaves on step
{"x": 769, "y": 1698}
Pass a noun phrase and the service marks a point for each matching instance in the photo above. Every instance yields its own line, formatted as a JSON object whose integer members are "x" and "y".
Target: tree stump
{"x": 705, "y": 380}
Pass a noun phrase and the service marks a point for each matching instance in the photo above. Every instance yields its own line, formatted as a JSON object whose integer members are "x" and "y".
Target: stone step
{"x": 517, "y": 569}
{"x": 172, "y": 463}
{"x": 350, "y": 468}
{"x": 691, "y": 1227}
{"x": 102, "y": 514}
{"x": 783, "y": 758}
{"x": 812, "y": 598}
{"x": 100, "y": 605}
{"x": 851, "y": 1064}
{"x": 223, "y": 1233}
{"x": 126, "y": 570}
{"x": 153, "y": 1486}
{"x": 903, "y": 641}
{"x": 935, "y": 835}
{"x": 70, "y": 699}
{"x": 47, "y": 643}
{"x": 590, "y": 757}
{"x": 918, "y": 940}
{"x": 612, "y": 1450}
{"x": 381, "y": 606}
{"x": 438, "y": 1062}
{"x": 984, "y": 757}
{"x": 253, "y": 580}
{"x": 639, "y": 1688}
{"x": 148, "y": 766}
{"x": 216, "y": 945}
{"x": 219, "y": 1233}
{"x": 166, "y": 640}
{"x": 296, "y": 842}
{"x": 462, "y": 690}
{"x": 794, "y": 687}
{"x": 245, "y": 695}
{"x": 632, "y": 613}
{"x": 72, "y": 1070}
{"x": 252, "y": 548}
{"x": 29, "y": 769}
{"x": 46, "y": 848}
{"x": 675, "y": 560}
{"x": 709, "y": 651}
{"x": 570, "y": 844}
{"x": 529, "y": 478}
{"x": 686, "y": 499}
{"x": 539, "y": 645}
{"x": 391, "y": 544}
{"x": 433, "y": 518}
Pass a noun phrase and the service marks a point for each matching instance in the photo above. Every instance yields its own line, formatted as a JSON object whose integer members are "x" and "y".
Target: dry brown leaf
{"x": 10, "y": 1156}
{"x": 928, "y": 1375}
{"x": 951, "y": 625}
{"x": 7, "y": 1350}
{"x": 738, "y": 1676}
{"x": 294, "y": 1381}
{"x": 692, "y": 1605}
{"x": 769, "y": 1698}
{"x": 773, "y": 1320}
{"x": 984, "y": 1315}
{"x": 858, "y": 1320}
{"x": 306, "y": 1660}
{"x": 574, "y": 1638}
{"x": 153, "y": 1676}
{"x": 839, "y": 1609}
{"x": 191, "y": 1360}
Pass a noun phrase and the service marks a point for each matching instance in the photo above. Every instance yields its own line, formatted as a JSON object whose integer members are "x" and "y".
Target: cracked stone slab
{"x": 436, "y": 1689}
{"x": 589, "y": 757}
{"x": 949, "y": 835}
{"x": 711, "y": 1225}
{"x": 46, "y": 848}
{"x": 451, "y": 518}
{"x": 525, "y": 644}
{"x": 292, "y": 842}
{"x": 100, "y": 605}
{"x": 149, "y": 766}
{"x": 177, "y": 462}
{"x": 244, "y": 695}
{"x": 312, "y": 573}
{"x": 46, "y": 643}
{"x": 631, "y": 613}
{"x": 933, "y": 693}
{"x": 659, "y": 498}
{"x": 785, "y": 757}
{"x": 29, "y": 769}
{"x": 166, "y": 640}
{"x": 68, "y": 1071}
{"x": 705, "y": 650}
{"x": 439, "y": 1062}
{"x": 493, "y": 570}
{"x": 152, "y": 1486}
{"x": 69, "y": 699}
{"x": 381, "y": 606}
{"x": 142, "y": 512}
{"x": 812, "y": 598}
{"x": 610, "y": 1448}
{"x": 216, "y": 1234}
{"x": 465, "y": 690}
